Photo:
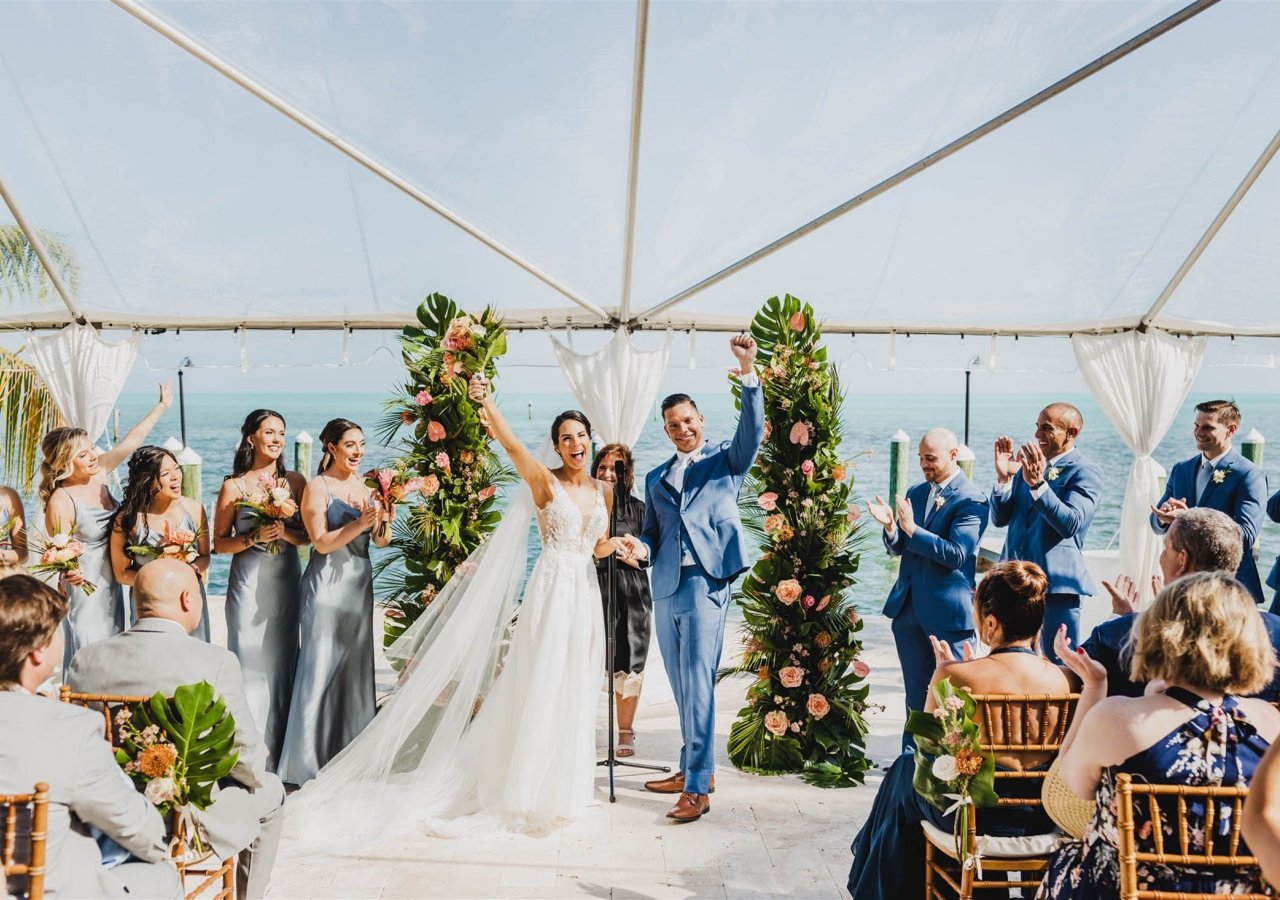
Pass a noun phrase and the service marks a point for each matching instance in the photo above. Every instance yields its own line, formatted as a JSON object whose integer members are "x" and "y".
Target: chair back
{"x": 1219, "y": 850}
{"x": 33, "y": 810}
{"x": 1026, "y": 728}
{"x": 103, "y": 703}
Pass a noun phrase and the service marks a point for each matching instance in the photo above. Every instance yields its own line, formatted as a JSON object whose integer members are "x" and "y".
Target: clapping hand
{"x": 906, "y": 518}
{"x": 1087, "y": 669}
{"x": 1033, "y": 463}
{"x": 942, "y": 651}
{"x": 1157, "y": 584}
{"x": 881, "y": 512}
{"x": 1006, "y": 465}
{"x": 1124, "y": 595}
{"x": 369, "y": 514}
{"x": 744, "y": 348}
{"x": 1169, "y": 510}
{"x": 478, "y": 388}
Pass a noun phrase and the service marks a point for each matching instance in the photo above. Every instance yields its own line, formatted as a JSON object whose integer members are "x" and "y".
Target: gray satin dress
{"x": 145, "y": 534}
{"x": 333, "y": 690}
{"x": 104, "y": 613}
{"x": 262, "y": 629}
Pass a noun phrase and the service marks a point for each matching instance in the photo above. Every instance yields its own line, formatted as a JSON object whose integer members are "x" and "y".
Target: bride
{"x": 489, "y": 718}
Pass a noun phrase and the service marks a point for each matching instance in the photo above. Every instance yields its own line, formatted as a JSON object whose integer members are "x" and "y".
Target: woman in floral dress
{"x": 1205, "y": 645}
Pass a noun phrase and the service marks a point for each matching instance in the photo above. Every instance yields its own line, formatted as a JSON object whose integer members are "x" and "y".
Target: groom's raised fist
{"x": 744, "y": 348}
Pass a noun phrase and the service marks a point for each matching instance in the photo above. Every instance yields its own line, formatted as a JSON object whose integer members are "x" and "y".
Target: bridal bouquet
{"x": 61, "y": 553}
{"x": 175, "y": 543}
{"x": 952, "y": 772}
{"x": 271, "y": 502}
{"x": 175, "y": 750}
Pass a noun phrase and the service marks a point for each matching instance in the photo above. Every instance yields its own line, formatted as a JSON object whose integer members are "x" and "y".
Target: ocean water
{"x": 213, "y": 430}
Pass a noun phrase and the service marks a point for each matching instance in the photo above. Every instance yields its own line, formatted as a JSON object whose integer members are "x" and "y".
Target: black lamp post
{"x": 968, "y": 372}
{"x": 182, "y": 402}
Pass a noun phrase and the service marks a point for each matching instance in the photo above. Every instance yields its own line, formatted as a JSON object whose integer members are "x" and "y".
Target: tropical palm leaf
{"x": 27, "y": 414}
{"x": 21, "y": 273}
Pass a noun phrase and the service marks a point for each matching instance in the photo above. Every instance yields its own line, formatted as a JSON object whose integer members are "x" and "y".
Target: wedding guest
{"x": 73, "y": 489}
{"x": 1261, "y": 822}
{"x": 1008, "y": 609}
{"x": 333, "y": 691}
{"x": 159, "y": 654}
{"x": 1198, "y": 540}
{"x": 262, "y": 586}
{"x": 1273, "y": 580}
{"x": 13, "y": 528}
{"x": 634, "y": 601}
{"x": 62, "y": 745}
{"x": 1048, "y": 511}
{"x": 935, "y": 531}
{"x": 153, "y": 513}
{"x": 1220, "y": 478}
{"x": 1203, "y": 642}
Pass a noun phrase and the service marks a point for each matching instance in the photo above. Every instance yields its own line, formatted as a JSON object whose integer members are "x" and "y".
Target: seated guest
{"x": 1198, "y": 540}
{"x": 44, "y": 740}
{"x": 1261, "y": 822}
{"x": 1203, "y": 642}
{"x": 159, "y": 654}
{"x": 888, "y": 853}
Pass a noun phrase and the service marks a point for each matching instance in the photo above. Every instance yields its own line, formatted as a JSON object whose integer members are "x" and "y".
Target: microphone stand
{"x": 611, "y": 625}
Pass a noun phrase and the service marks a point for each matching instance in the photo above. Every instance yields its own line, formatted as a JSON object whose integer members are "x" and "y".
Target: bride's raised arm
{"x": 535, "y": 474}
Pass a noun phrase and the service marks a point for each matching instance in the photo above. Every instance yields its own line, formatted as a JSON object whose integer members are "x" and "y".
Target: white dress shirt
{"x": 935, "y": 491}
{"x": 1036, "y": 492}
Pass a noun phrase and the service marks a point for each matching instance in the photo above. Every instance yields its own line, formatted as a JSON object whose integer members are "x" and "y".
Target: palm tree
{"x": 27, "y": 411}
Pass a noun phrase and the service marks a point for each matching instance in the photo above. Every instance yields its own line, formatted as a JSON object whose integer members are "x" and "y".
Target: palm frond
{"x": 27, "y": 414}
{"x": 22, "y": 275}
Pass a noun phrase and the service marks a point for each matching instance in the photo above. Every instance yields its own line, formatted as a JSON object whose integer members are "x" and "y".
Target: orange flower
{"x": 838, "y": 473}
{"x": 818, "y": 706}
{"x": 435, "y": 431}
{"x": 773, "y": 523}
{"x": 788, "y": 591}
{"x": 791, "y": 676}
{"x": 823, "y": 640}
{"x": 156, "y": 761}
{"x": 968, "y": 761}
{"x": 776, "y": 722}
{"x": 763, "y": 672}
{"x": 824, "y": 666}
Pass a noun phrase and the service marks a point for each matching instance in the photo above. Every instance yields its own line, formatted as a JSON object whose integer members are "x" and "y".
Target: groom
{"x": 693, "y": 539}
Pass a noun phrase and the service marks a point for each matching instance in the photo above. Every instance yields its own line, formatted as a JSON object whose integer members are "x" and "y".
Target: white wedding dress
{"x": 492, "y": 723}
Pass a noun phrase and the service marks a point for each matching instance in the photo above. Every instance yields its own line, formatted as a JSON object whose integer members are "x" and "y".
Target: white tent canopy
{"x": 321, "y": 165}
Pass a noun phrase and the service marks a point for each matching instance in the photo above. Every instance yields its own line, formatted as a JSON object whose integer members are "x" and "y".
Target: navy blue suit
{"x": 1107, "y": 646}
{"x": 1239, "y": 493}
{"x": 934, "y": 591}
{"x": 1049, "y": 531}
{"x": 1273, "y": 510}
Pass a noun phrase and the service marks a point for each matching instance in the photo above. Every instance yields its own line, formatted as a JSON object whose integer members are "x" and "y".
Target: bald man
{"x": 1046, "y": 494}
{"x": 935, "y": 530}
{"x": 159, "y": 654}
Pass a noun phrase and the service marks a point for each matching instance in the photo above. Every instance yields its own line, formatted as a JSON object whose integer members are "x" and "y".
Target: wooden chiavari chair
{"x": 37, "y": 834}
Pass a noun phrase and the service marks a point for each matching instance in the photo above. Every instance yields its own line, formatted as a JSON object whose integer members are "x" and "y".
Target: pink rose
{"x": 435, "y": 431}
{"x": 822, "y": 604}
{"x": 861, "y": 669}
{"x": 808, "y": 601}
{"x": 807, "y": 467}
{"x": 788, "y": 591}
{"x": 422, "y": 398}
{"x": 854, "y": 513}
{"x": 486, "y": 493}
{"x": 776, "y": 722}
{"x": 768, "y": 502}
{"x": 797, "y": 322}
{"x": 791, "y": 676}
{"x": 442, "y": 460}
{"x": 800, "y": 434}
{"x": 430, "y": 485}
{"x": 818, "y": 706}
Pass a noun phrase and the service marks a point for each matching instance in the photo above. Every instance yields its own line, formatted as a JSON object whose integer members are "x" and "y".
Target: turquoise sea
{"x": 213, "y": 428}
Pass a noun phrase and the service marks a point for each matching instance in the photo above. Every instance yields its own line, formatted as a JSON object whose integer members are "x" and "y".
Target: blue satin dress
{"x": 262, "y": 629}
{"x": 145, "y": 534}
{"x": 333, "y": 690}
{"x": 105, "y": 612}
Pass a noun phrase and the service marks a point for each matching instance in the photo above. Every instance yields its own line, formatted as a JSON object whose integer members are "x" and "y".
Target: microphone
{"x": 619, "y": 476}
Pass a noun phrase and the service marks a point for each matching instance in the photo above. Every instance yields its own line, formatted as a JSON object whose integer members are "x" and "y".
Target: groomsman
{"x": 1219, "y": 478}
{"x": 935, "y": 529}
{"x": 1048, "y": 511}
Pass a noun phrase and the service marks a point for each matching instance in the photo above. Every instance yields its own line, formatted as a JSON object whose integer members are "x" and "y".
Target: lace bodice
{"x": 561, "y": 522}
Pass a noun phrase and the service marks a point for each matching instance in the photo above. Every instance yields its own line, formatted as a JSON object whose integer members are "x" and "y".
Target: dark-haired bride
{"x": 491, "y": 720}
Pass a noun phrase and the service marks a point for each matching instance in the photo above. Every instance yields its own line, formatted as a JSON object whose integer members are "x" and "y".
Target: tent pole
{"x": 633, "y": 161}
{"x": 936, "y": 156}
{"x": 345, "y": 147}
{"x": 1211, "y": 232}
{"x": 42, "y": 252}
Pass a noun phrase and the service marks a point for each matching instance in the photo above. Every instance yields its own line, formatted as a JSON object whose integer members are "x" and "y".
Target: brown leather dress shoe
{"x": 690, "y": 808}
{"x": 674, "y": 784}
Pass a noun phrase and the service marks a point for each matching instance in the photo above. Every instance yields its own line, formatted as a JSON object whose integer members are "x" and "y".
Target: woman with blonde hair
{"x": 73, "y": 489}
{"x": 1205, "y": 648}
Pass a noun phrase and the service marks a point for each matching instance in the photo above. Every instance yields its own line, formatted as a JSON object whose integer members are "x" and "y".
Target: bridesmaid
{"x": 153, "y": 499}
{"x": 333, "y": 692}
{"x": 262, "y": 587}
{"x": 73, "y": 489}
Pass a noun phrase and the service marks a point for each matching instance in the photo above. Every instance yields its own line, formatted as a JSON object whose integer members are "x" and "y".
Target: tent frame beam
{"x": 1211, "y": 232}
{"x": 214, "y": 61}
{"x": 633, "y": 158}
{"x": 42, "y": 253}
{"x": 1167, "y": 24}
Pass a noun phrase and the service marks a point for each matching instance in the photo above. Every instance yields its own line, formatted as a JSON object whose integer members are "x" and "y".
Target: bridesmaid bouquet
{"x": 175, "y": 543}
{"x": 393, "y": 485}
{"x": 272, "y": 502}
{"x": 61, "y": 553}
{"x": 952, "y": 772}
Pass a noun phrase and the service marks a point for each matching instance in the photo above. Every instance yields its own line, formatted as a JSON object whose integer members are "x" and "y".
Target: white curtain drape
{"x": 1140, "y": 381}
{"x": 84, "y": 373}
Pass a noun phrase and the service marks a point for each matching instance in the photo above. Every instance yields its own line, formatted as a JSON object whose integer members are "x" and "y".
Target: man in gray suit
{"x": 159, "y": 654}
{"x": 44, "y": 740}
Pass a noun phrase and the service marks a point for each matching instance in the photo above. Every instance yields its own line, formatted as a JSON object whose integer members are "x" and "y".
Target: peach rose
{"x": 861, "y": 669}
{"x": 430, "y": 485}
{"x": 768, "y": 501}
{"x": 788, "y": 591}
{"x": 797, "y": 322}
{"x": 776, "y": 722}
{"x": 817, "y": 706}
{"x": 791, "y": 676}
{"x": 800, "y": 434}
{"x": 838, "y": 473}
{"x": 435, "y": 431}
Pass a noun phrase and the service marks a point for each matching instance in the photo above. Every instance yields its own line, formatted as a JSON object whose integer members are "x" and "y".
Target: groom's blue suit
{"x": 696, "y": 549}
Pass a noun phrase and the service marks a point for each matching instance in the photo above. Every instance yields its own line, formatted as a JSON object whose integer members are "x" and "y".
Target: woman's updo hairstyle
{"x": 57, "y": 450}
{"x": 332, "y": 432}
{"x": 1014, "y": 591}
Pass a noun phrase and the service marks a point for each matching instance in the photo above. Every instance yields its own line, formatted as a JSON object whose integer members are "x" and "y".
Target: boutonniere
{"x": 1219, "y": 476}
{"x": 938, "y": 501}
{"x": 1053, "y": 473}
